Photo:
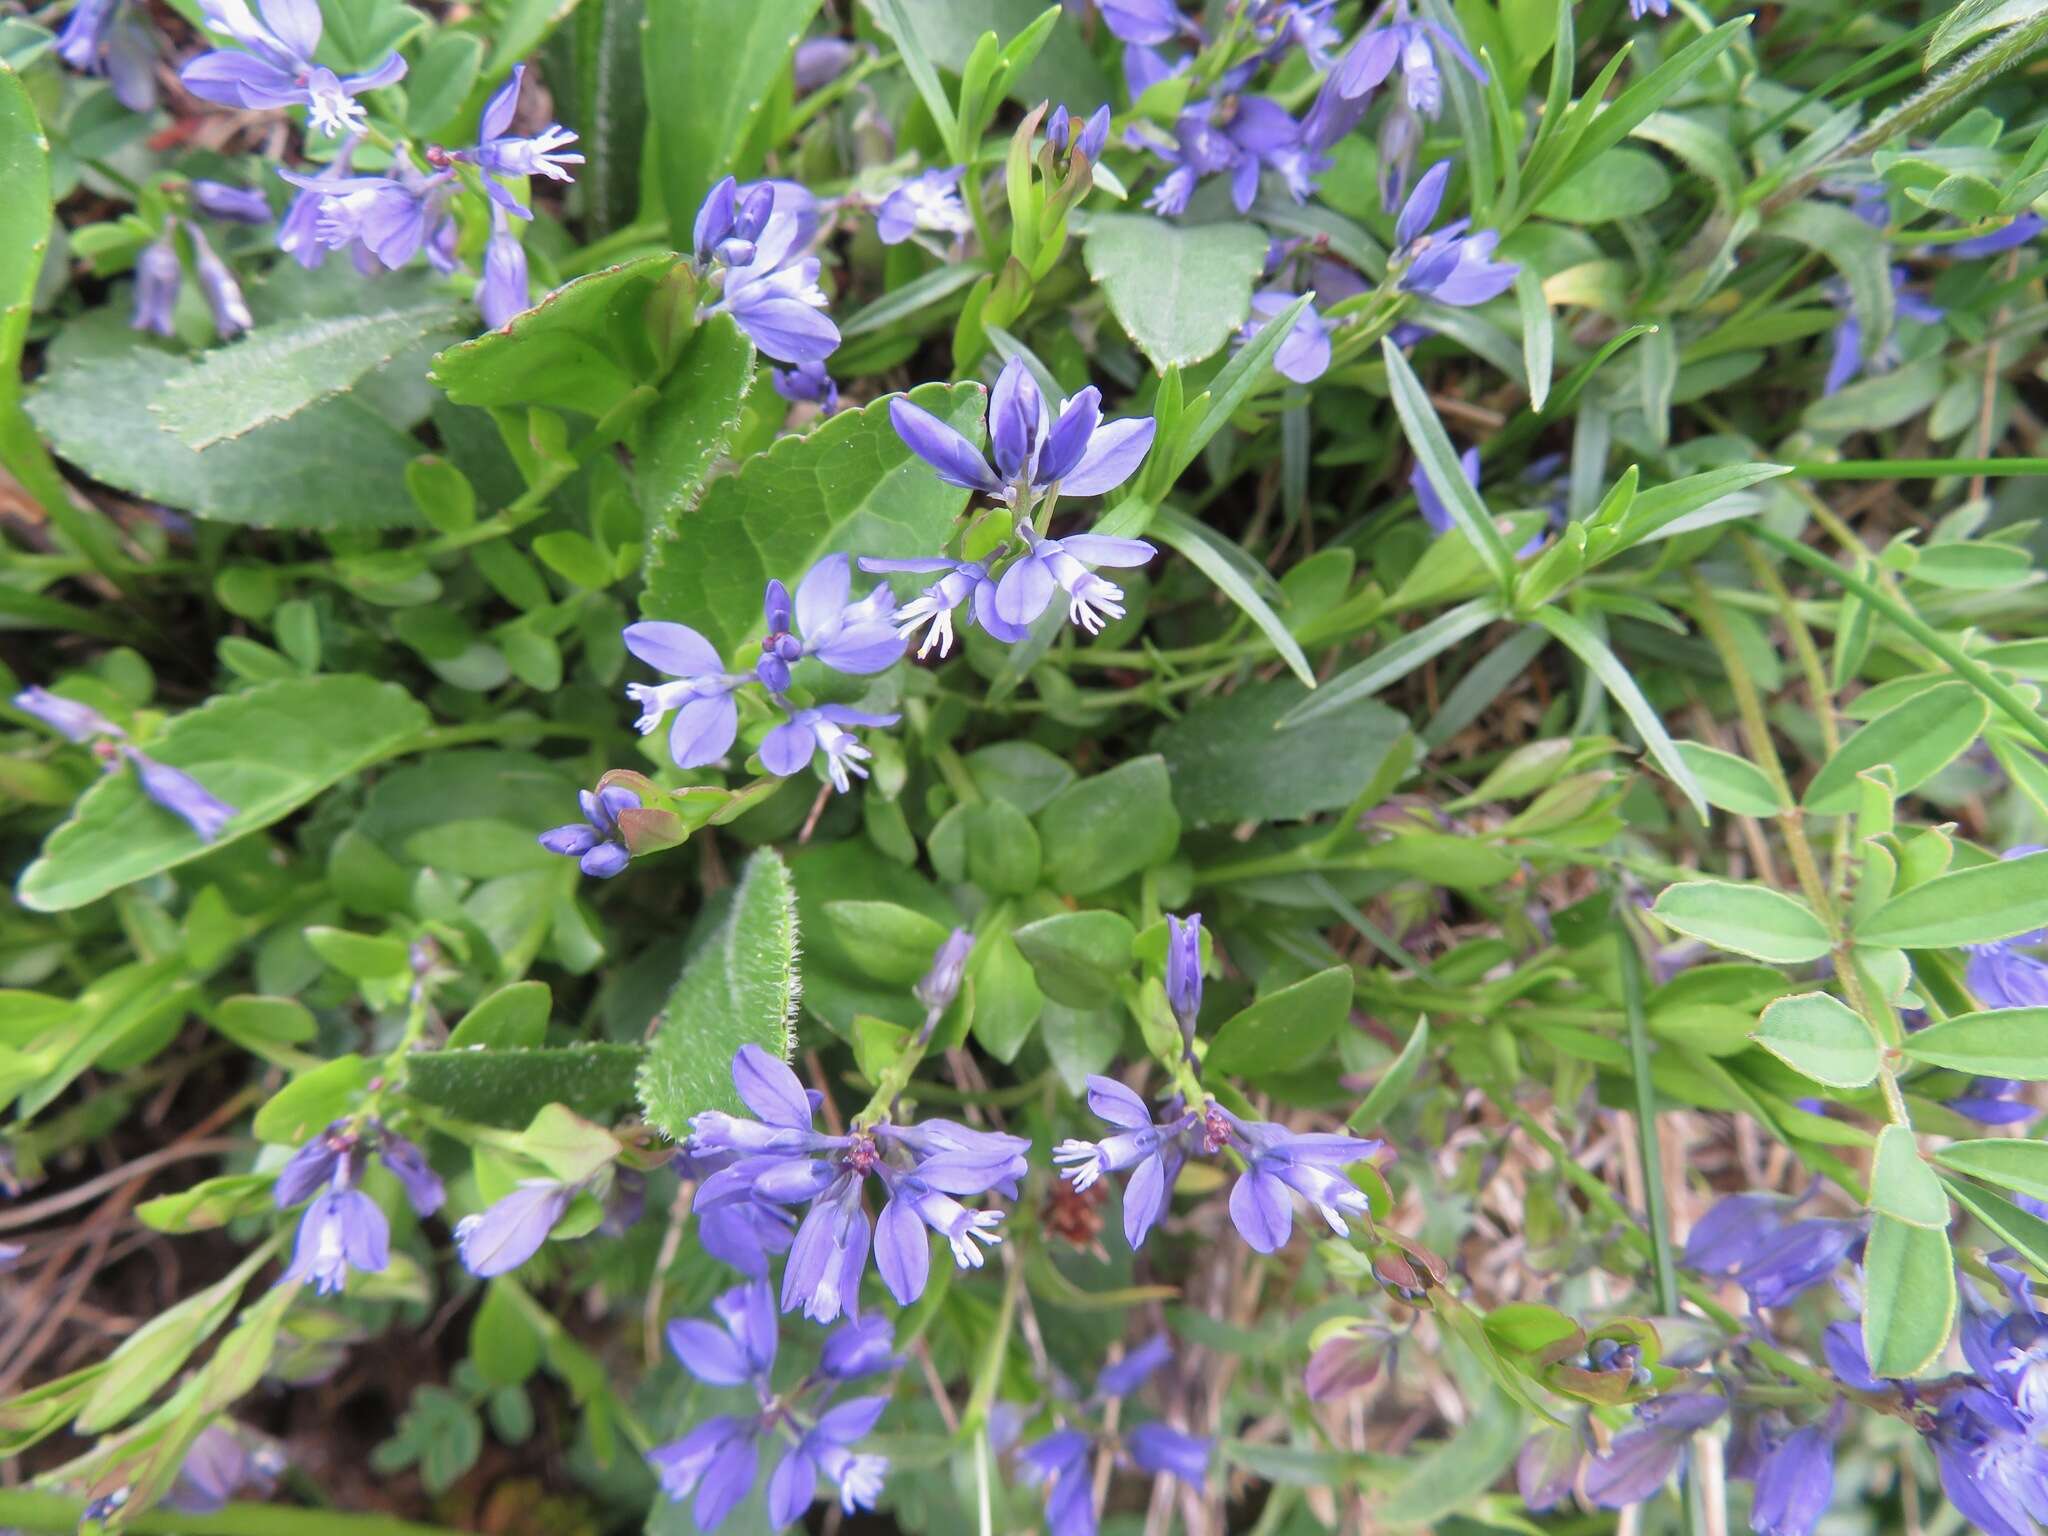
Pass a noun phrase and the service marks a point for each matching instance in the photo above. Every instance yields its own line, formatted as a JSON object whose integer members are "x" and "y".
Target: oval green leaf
{"x": 1916, "y": 739}
{"x": 1744, "y": 919}
{"x": 1819, "y": 1037}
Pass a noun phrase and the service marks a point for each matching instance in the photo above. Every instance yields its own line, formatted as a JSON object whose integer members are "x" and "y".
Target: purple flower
{"x": 1795, "y": 1484}
{"x": 1060, "y": 1463}
{"x": 1795, "y": 1259}
{"x": 823, "y": 1449}
{"x": 314, "y": 1164}
{"x": 2011, "y": 237}
{"x": 387, "y": 220}
{"x": 596, "y": 841}
{"x": 962, "y": 580}
{"x": 1640, "y": 1459}
{"x": 223, "y": 292}
{"x": 1403, "y": 43}
{"x": 1184, "y": 969}
{"x": 937, "y": 988}
{"x": 1281, "y": 1160}
{"x": 807, "y": 382}
{"x": 1733, "y": 1232}
{"x": 791, "y": 745}
{"x": 498, "y": 154}
{"x": 1547, "y": 1467}
{"x": 415, "y": 1175}
{"x": 1036, "y": 450}
{"x": 1241, "y": 135}
{"x": 1992, "y": 1467}
{"x": 716, "y": 1461}
{"x": 1068, "y": 565}
{"x": 341, "y": 1231}
{"x": 856, "y": 638}
{"x": 2002, "y": 977}
{"x": 1088, "y": 143}
{"x": 505, "y": 1234}
{"x": 1155, "y": 1153}
{"x": 1845, "y": 354}
{"x": 272, "y": 66}
{"x": 757, "y": 238}
{"x": 1637, "y": 10}
{"x": 1157, "y": 1448}
{"x": 238, "y": 205}
{"x": 1304, "y": 355}
{"x": 1122, "y": 1377}
{"x": 67, "y": 717}
{"x": 1434, "y": 512}
{"x": 181, "y": 794}
{"x": 503, "y": 292}
{"x": 157, "y": 276}
{"x": 821, "y": 60}
{"x": 738, "y": 1350}
{"x": 929, "y": 201}
{"x": 298, "y": 233}
{"x": 1994, "y": 1101}
{"x": 106, "y": 37}
{"x": 1150, "y": 22}
{"x": 706, "y": 719}
{"x": 859, "y": 1348}
{"x": 1451, "y": 266}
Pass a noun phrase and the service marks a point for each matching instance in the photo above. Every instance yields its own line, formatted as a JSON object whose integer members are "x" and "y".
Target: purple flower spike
{"x": 341, "y": 1231}
{"x": 181, "y": 794}
{"x": 1059, "y": 1462}
{"x": 544, "y": 154}
{"x": 1157, "y": 1448}
{"x": 930, "y": 201}
{"x": 1282, "y": 1160}
{"x": 1640, "y": 1459}
{"x": 1123, "y": 1377}
{"x": 706, "y": 719}
{"x": 1052, "y": 565}
{"x": 503, "y": 1236}
{"x": 67, "y": 717}
{"x": 717, "y": 1461}
{"x": 408, "y": 1164}
{"x": 596, "y": 841}
{"x": 1451, "y": 266}
{"x": 1155, "y": 1152}
{"x": 790, "y": 746}
{"x": 1795, "y": 1484}
{"x": 158, "y": 274}
{"x": 272, "y": 66}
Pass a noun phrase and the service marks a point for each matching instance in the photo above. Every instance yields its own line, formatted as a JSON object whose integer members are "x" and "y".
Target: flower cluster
{"x": 718, "y": 1461}
{"x": 753, "y": 248}
{"x": 1416, "y": 48}
{"x": 343, "y": 1229}
{"x": 172, "y": 788}
{"x": 778, "y": 1158}
{"x": 159, "y": 270}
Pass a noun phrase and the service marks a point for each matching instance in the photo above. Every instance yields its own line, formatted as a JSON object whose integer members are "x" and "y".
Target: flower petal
{"x": 957, "y": 461}
{"x": 1114, "y": 454}
{"x": 675, "y": 649}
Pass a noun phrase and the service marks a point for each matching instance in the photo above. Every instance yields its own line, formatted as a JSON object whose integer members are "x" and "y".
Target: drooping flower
{"x": 962, "y": 580}
{"x": 508, "y": 1232}
{"x": 928, "y": 201}
{"x": 1846, "y": 360}
{"x": 272, "y": 65}
{"x": 821, "y": 60}
{"x": 824, "y": 1450}
{"x": 218, "y": 282}
{"x": 1035, "y": 449}
{"x": 106, "y": 37}
{"x": 1150, "y": 22}
{"x": 2014, "y": 235}
{"x": 1304, "y": 356}
{"x": 596, "y": 841}
{"x": 790, "y": 747}
{"x": 937, "y": 988}
{"x": 1638, "y": 9}
{"x": 1795, "y": 1483}
{"x": 503, "y": 292}
{"x": 756, "y": 240}
{"x": 1154, "y": 1152}
{"x": 1451, "y": 266}
{"x": 383, "y": 220}
{"x": 498, "y": 153}
{"x": 180, "y": 794}
{"x": 158, "y": 275}
{"x": 1640, "y": 1459}
{"x": 1404, "y": 43}
{"x": 238, "y": 205}
{"x": 706, "y": 719}
{"x": 1995, "y": 1101}
{"x": 1992, "y": 1465}
{"x": 67, "y": 717}
{"x": 1059, "y": 1463}
{"x": 408, "y": 1164}
{"x": 1159, "y": 1448}
{"x": 298, "y": 232}
{"x": 1308, "y": 1164}
{"x": 225, "y": 1459}
{"x": 342, "y": 1230}
{"x": 1068, "y": 564}
{"x": 2001, "y": 976}
{"x": 807, "y": 382}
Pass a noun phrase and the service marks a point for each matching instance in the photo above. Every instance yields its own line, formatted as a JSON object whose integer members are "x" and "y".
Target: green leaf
{"x": 1392, "y": 662}
{"x": 1394, "y": 1082}
{"x": 1439, "y": 462}
{"x": 692, "y": 425}
{"x": 1854, "y": 249}
{"x": 1617, "y": 184}
{"x": 25, "y": 216}
{"x": 1731, "y": 783}
{"x": 1999, "y": 900}
{"x": 1583, "y": 642}
{"x": 1902, "y": 1186}
{"x": 266, "y": 752}
{"x": 276, "y": 371}
{"x": 1970, "y": 21}
{"x": 605, "y": 96}
{"x": 1745, "y": 919}
{"x": 1820, "y": 1038}
{"x": 1236, "y": 759}
{"x": 208, "y": 1204}
{"x": 311, "y": 1100}
{"x": 511, "y": 1018}
{"x": 892, "y": 944}
{"x": 2014, "y": 1227}
{"x": 1219, "y": 560}
{"x": 1007, "y": 999}
{"x": 1916, "y": 739}
{"x": 1999, "y": 1042}
{"x": 1109, "y": 827}
{"x": 739, "y": 989}
{"x": 945, "y": 32}
{"x": 1696, "y": 501}
{"x": 153, "y": 1354}
{"x": 1286, "y": 1030}
{"x": 509, "y": 1087}
{"x": 582, "y": 348}
{"x": 1080, "y": 958}
{"x": 712, "y": 69}
{"x": 1703, "y": 150}
{"x": 336, "y": 464}
{"x": 1232, "y": 386}
{"x": 849, "y": 484}
{"x": 1179, "y": 291}
{"x": 899, "y": 304}
{"x": 1909, "y": 1297}
{"x": 1539, "y": 339}
{"x": 2006, "y": 1161}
